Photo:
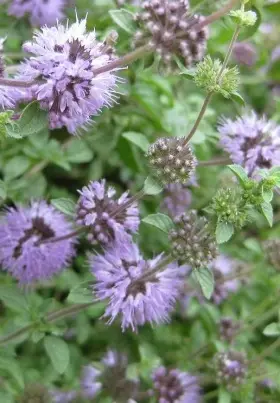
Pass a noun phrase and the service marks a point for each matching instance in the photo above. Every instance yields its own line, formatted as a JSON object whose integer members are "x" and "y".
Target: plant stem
{"x": 215, "y": 161}
{"x": 51, "y": 317}
{"x": 125, "y": 60}
{"x": 64, "y": 237}
{"x": 229, "y": 52}
{"x": 128, "y": 203}
{"x": 163, "y": 263}
{"x": 217, "y": 14}
{"x": 9, "y": 82}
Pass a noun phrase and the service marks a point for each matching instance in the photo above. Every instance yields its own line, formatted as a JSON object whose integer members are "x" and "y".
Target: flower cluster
{"x": 172, "y": 30}
{"x": 231, "y": 369}
{"x": 26, "y": 247}
{"x": 228, "y": 329}
{"x": 62, "y": 69}
{"x": 191, "y": 240}
{"x": 139, "y": 290}
{"x": 112, "y": 378}
{"x": 177, "y": 199}
{"x": 41, "y": 12}
{"x": 104, "y": 215}
{"x": 175, "y": 386}
{"x": 172, "y": 160}
{"x": 251, "y": 141}
{"x": 222, "y": 267}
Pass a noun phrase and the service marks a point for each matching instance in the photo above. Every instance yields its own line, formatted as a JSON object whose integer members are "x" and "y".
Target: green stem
{"x": 125, "y": 60}
{"x": 229, "y": 52}
{"x": 51, "y": 317}
{"x": 215, "y": 161}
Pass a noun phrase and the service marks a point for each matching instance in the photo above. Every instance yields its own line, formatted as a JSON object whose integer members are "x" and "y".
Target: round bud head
{"x": 171, "y": 160}
{"x": 272, "y": 250}
{"x": 232, "y": 368}
{"x": 228, "y": 329}
{"x": 173, "y": 31}
{"x": 191, "y": 240}
{"x": 35, "y": 393}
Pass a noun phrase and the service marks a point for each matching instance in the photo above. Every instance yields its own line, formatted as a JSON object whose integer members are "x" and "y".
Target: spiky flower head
{"x": 223, "y": 267}
{"x": 172, "y": 160}
{"x": 172, "y": 30}
{"x": 25, "y": 248}
{"x": 244, "y": 53}
{"x": 232, "y": 367}
{"x": 192, "y": 241}
{"x": 40, "y": 12}
{"x": 110, "y": 378}
{"x": 175, "y": 386}
{"x": 208, "y": 76}
{"x": 228, "y": 329}
{"x": 251, "y": 141}
{"x": 229, "y": 207}
{"x": 138, "y": 290}
{"x": 104, "y": 214}
{"x": 35, "y": 393}
{"x": 62, "y": 68}
{"x": 272, "y": 250}
{"x": 177, "y": 199}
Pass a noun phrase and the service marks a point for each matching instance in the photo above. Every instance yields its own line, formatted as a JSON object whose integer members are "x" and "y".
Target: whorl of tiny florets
{"x": 172, "y": 30}
{"x": 35, "y": 393}
{"x": 191, "y": 240}
{"x": 231, "y": 369}
{"x": 272, "y": 250}
{"x": 171, "y": 160}
{"x": 228, "y": 329}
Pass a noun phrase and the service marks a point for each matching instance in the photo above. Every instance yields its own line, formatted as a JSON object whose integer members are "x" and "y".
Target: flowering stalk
{"x": 70, "y": 235}
{"x": 8, "y": 82}
{"x": 51, "y": 317}
{"x": 218, "y": 14}
{"x": 216, "y": 161}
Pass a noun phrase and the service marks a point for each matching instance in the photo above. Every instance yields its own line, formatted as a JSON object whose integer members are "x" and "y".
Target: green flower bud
{"x": 191, "y": 240}
{"x": 207, "y": 76}
{"x": 244, "y": 18}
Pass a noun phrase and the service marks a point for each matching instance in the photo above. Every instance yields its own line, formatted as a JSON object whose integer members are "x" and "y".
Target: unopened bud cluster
{"x": 231, "y": 369}
{"x": 172, "y": 30}
{"x": 171, "y": 160}
{"x": 229, "y": 207}
{"x": 244, "y": 18}
{"x": 228, "y": 329}
{"x": 272, "y": 250}
{"x": 191, "y": 240}
{"x": 209, "y": 77}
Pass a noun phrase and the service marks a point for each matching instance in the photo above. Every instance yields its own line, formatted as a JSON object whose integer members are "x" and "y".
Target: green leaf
{"x": 152, "y": 187}
{"x": 78, "y": 152}
{"x": 267, "y": 195}
{"x": 274, "y": 70}
{"x": 13, "y": 297}
{"x": 239, "y": 172}
{"x": 66, "y": 206}
{"x": 224, "y": 231}
{"x": 3, "y": 190}
{"x": 267, "y": 211}
{"x": 205, "y": 279}
{"x": 124, "y": 19}
{"x": 235, "y": 96}
{"x": 137, "y": 139}
{"x": 58, "y": 352}
{"x": 32, "y": 121}
{"x": 160, "y": 221}
{"x": 224, "y": 396}
{"x": 16, "y": 167}
{"x": 81, "y": 293}
{"x": 11, "y": 366}
{"x": 273, "y": 329}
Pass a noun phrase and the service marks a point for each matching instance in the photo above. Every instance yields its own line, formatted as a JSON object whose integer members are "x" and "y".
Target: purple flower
{"x": 63, "y": 62}
{"x": 59, "y": 396}
{"x": 175, "y": 386}
{"x": 223, "y": 266}
{"x": 251, "y": 141}
{"x": 105, "y": 215}
{"x": 6, "y": 98}
{"x": 41, "y": 12}
{"x": 90, "y": 381}
{"x": 232, "y": 367}
{"x": 245, "y": 53}
{"x": 24, "y": 250}
{"x": 177, "y": 200}
{"x": 135, "y": 289}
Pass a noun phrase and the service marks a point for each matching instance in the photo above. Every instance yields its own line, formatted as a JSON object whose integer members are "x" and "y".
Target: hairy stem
{"x": 217, "y": 14}
{"x": 215, "y": 161}
{"x": 128, "y": 203}
{"x": 9, "y": 82}
{"x": 51, "y": 317}
{"x": 64, "y": 237}
{"x": 125, "y": 60}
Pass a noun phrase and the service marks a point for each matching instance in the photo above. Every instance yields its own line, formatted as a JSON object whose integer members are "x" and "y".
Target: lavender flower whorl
{"x": 231, "y": 369}
{"x": 25, "y": 250}
{"x": 191, "y": 241}
{"x": 104, "y": 215}
{"x": 175, "y": 386}
{"x": 171, "y": 160}
{"x": 169, "y": 27}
